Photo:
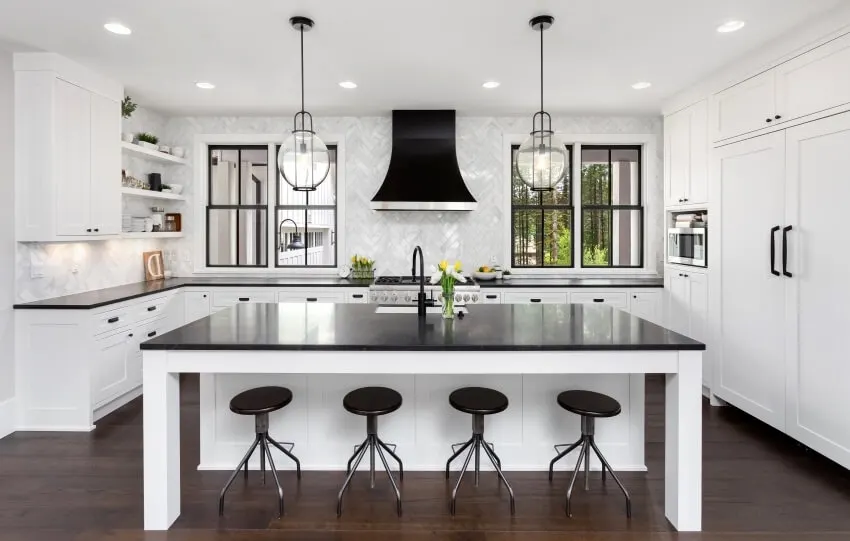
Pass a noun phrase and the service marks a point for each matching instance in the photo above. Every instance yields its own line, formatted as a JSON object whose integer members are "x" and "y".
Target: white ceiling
{"x": 401, "y": 53}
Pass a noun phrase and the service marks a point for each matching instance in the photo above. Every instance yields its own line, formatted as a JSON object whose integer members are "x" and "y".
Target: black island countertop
{"x": 102, "y": 297}
{"x": 358, "y": 327}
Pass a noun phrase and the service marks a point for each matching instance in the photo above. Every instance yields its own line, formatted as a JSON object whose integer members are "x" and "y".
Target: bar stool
{"x": 590, "y": 406}
{"x": 372, "y": 402}
{"x": 259, "y": 402}
{"x": 478, "y": 402}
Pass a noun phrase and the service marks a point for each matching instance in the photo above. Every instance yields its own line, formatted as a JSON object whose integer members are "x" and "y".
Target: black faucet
{"x": 420, "y": 299}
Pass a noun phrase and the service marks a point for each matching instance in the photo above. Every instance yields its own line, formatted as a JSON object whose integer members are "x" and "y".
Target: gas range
{"x": 403, "y": 290}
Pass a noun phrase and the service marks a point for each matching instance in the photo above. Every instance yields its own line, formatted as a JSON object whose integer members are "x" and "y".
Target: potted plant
{"x": 147, "y": 140}
{"x": 128, "y": 107}
{"x": 166, "y": 188}
{"x": 362, "y": 268}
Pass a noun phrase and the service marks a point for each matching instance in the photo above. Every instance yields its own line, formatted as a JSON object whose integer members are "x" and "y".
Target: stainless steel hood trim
{"x": 423, "y": 205}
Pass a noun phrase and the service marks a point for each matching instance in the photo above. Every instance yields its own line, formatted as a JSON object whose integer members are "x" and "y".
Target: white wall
{"x": 7, "y": 234}
{"x": 388, "y": 237}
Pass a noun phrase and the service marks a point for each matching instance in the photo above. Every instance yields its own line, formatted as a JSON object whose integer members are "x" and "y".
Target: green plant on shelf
{"x": 147, "y": 138}
{"x": 128, "y": 107}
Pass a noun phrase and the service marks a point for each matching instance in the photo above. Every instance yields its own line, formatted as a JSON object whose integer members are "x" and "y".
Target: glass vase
{"x": 448, "y": 300}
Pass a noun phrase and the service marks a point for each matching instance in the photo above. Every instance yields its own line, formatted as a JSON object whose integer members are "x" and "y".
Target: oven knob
{"x": 373, "y": 296}
{"x": 407, "y": 297}
{"x": 474, "y": 297}
{"x": 394, "y": 297}
{"x": 457, "y": 297}
{"x": 466, "y": 297}
{"x": 383, "y": 297}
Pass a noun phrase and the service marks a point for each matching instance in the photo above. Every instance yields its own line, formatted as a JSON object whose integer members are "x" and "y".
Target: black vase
{"x": 155, "y": 180}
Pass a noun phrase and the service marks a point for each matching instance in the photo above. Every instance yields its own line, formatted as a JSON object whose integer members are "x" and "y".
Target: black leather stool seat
{"x": 372, "y": 401}
{"x": 478, "y": 401}
{"x": 260, "y": 400}
{"x": 589, "y": 403}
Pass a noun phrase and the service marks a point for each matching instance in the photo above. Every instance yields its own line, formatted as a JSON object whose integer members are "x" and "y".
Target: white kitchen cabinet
{"x": 818, "y": 315}
{"x": 745, "y": 107}
{"x": 315, "y": 295}
{"x": 197, "y": 305}
{"x": 67, "y": 151}
{"x": 647, "y": 304}
{"x": 535, "y": 297}
{"x": 687, "y": 308}
{"x": 686, "y": 156}
{"x": 491, "y": 297}
{"x": 357, "y": 296}
{"x": 230, "y": 297}
{"x": 749, "y": 313}
{"x": 111, "y": 366}
{"x": 617, "y": 299}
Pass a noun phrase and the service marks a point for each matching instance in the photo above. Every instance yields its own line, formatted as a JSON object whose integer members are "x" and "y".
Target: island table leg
{"x": 161, "y": 442}
{"x": 683, "y": 444}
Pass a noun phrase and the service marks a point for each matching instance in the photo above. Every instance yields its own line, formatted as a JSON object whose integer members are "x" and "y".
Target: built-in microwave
{"x": 687, "y": 246}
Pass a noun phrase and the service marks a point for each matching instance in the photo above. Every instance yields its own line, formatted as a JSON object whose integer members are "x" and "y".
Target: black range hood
{"x": 423, "y": 172}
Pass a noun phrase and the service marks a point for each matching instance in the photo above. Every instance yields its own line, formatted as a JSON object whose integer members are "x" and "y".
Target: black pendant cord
{"x": 541, "y": 68}
{"x": 302, "y": 70}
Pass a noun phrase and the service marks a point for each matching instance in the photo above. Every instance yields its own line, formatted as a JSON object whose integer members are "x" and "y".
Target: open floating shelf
{"x": 135, "y": 192}
{"x": 153, "y": 155}
{"x": 157, "y": 235}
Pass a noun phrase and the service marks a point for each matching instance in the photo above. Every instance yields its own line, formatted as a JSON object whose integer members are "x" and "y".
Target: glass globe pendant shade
{"x": 303, "y": 161}
{"x": 541, "y": 161}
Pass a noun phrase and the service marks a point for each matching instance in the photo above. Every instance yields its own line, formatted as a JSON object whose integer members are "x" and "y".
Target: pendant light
{"x": 541, "y": 161}
{"x": 303, "y": 160}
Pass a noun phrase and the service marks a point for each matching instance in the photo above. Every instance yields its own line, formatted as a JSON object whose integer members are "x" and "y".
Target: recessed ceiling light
{"x": 491, "y": 84}
{"x": 205, "y": 85}
{"x": 348, "y": 84}
{"x": 641, "y": 85}
{"x": 118, "y": 28}
{"x": 730, "y": 26}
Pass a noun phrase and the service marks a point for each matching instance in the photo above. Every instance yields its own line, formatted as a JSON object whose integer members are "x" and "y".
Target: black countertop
{"x": 535, "y": 283}
{"x": 113, "y": 295}
{"x": 357, "y": 327}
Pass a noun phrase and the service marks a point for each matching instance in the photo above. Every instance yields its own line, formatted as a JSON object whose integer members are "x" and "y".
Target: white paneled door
{"x": 105, "y": 161}
{"x": 73, "y": 159}
{"x": 749, "y": 177}
{"x": 745, "y": 107}
{"x": 818, "y": 293}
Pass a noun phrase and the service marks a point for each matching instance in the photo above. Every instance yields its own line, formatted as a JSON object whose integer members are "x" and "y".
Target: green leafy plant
{"x": 128, "y": 107}
{"x": 166, "y": 187}
{"x": 147, "y": 138}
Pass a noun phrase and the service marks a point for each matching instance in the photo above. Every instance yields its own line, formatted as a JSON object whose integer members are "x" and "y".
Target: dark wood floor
{"x": 758, "y": 485}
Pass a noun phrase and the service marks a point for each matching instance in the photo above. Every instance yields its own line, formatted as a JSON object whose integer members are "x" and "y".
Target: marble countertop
{"x": 358, "y": 327}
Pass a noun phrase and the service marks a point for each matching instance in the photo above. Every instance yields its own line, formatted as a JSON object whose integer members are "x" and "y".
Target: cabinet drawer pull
{"x": 88, "y": 230}
{"x": 151, "y": 334}
{"x": 130, "y": 335}
{"x": 312, "y": 299}
{"x": 769, "y": 120}
{"x": 96, "y": 230}
{"x": 244, "y": 299}
{"x": 151, "y": 308}
{"x": 112, "y": 320}
{"x": 777, "y": 117}
{"x": 358, "y": 295}
{"x": 598, "y": 300}
{"x": 534, "y": 300}
{"x": 492, "y": 297}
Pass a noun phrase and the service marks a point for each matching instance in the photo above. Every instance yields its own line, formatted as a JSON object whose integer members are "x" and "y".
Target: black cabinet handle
{"x": 358, "y": 295}
{"x": 686, "y": 276}
{"x": 151, "y": 334}
{"x": 773, "y": 231}
{"x": 112, "y": 320}
{"x": 785, "y": 231}
{"x": 205, "y": 296}
{"x": 769, "y": 120}
{"x": 598, "y": 300}
{"x": 492, "y": 296}
{"x": 681, "y": 200}
{"x": 88, "y": 230}
{"x": 686, "y": 200}
{"x": 130, "y": 335}
{"x": 777, "y": 117}
{"x": 151, "y": 308}
{"x": 244, "y": 299}
{"x": 634, "y": 296}
{"x": 312, "y": 299}
{"x": 535, "y": 300}
{"x": 96, "y": 230}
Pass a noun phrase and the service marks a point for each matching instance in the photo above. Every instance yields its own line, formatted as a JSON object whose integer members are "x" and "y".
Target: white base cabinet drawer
{"x": 113, "y": 319}
{"x": 491, "y": 297}
{"x": 357, "y": 297}
{"x": 617, "y": 299}
{"x": 111, "y": 366}
{"x": 153, "y": 307}
{"x": 312, "y": 296}
{"x": 224, "y": 299}
{"x": 530, "y": 297}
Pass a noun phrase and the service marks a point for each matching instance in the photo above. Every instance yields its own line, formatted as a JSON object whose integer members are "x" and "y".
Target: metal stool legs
{"x": 373, "y": 444}
{"x": 475, "y": 445}
{"x": 262, "y": 440}
{"x": 587, "y": 443}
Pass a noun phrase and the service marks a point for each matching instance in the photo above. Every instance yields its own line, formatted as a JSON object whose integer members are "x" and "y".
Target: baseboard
{"x": 7, "y": 417}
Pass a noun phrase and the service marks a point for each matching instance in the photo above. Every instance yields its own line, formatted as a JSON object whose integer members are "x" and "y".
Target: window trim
{"x": 200, "y": 195}
{"x": 649, "y": 176}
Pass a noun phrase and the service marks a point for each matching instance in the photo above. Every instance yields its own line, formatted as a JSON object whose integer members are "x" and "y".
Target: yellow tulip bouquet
{"x": 362, "y": 268}
{"x": 446, "y": 275}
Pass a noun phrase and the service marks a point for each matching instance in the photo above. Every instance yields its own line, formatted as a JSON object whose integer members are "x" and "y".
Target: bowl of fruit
{"x": 484, "y": 273}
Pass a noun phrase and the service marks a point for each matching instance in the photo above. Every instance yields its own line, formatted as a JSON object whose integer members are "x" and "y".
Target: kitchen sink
{"x": 403, "y": 309}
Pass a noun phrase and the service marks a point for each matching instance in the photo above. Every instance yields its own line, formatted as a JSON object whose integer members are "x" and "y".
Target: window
{"x": 608, "y": 203}
{"x": 237, "y": 212}
{"x": 611, "y": 211}
{"x": 315, "y": 217}
{"x": 541, "y": 222}
{"x": 242, "y": 193}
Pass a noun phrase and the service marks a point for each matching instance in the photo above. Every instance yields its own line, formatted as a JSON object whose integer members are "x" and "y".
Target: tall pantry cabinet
{"x": 780, "y": 247}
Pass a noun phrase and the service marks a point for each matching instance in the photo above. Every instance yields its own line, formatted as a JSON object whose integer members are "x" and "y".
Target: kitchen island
{"x": 321, "y": 351}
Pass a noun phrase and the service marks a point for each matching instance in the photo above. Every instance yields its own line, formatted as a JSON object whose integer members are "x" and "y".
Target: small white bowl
{"x": 127, "y": 137}
{"x": 484, "y": 276}
{"x": 165, "y": 149}
{"x": 180, "y": 152}
{"x": 176, "y": 188}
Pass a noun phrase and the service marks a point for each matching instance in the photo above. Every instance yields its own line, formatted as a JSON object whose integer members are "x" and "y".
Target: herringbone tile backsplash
{"x": 389, "y": 237}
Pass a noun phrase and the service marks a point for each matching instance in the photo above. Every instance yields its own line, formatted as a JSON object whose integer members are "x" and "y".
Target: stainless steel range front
{"x": 403, "y": 290}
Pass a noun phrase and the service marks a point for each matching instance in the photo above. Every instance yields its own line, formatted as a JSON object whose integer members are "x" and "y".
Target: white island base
{"x": 424, "y": 427}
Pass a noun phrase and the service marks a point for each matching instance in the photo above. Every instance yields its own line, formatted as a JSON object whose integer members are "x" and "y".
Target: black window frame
{"x": 611, "y": 207}
{"x": 262, "y": 246}
{"x": 571, "y": 207}
{"x": 333, "y": 149}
